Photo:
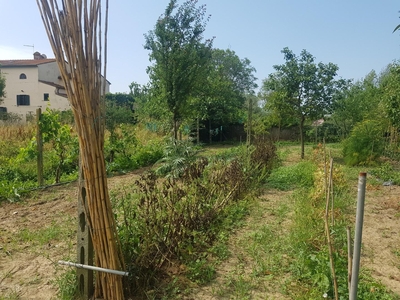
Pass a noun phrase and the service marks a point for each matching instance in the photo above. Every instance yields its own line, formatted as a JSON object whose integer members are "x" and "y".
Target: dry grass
{"x": 17, "y": 132}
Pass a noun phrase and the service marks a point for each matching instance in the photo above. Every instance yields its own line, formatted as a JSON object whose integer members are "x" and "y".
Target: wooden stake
{"x": 328, "y": 234}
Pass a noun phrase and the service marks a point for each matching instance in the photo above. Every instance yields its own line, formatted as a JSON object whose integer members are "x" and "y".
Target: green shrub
{"x": 124, "y": 152}
{"x": 177, "y": 156}
{"x": 365, "y": 144}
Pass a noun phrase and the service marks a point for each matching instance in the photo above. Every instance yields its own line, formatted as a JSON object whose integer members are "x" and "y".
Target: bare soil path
{"x": 381, "y": 235}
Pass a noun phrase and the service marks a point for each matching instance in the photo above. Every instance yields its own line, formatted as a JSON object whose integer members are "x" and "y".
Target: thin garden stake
{"x": 349, "y": 257}
{"x": 331, "y": 187}
{"x": 328, "y": 234}
{"x": 358, "y": 235}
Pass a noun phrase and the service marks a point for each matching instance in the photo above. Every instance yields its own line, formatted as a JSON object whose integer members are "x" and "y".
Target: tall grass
{"x": 17, "y": 132}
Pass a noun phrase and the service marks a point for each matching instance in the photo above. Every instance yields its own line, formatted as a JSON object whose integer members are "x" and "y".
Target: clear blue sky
{"x": 354, "y": 34}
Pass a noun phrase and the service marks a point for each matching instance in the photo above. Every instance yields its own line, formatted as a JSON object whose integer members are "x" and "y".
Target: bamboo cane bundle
{"x": 74, "y": 31}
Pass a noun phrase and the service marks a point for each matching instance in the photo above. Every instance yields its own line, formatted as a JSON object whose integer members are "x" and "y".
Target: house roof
{"x": 52, "y": 84}
{"x": 25, "y": 62}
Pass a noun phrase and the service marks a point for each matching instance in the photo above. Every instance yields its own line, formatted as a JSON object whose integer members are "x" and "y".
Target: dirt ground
{"x": 28, "y": 269}
{"x": 381, "y": 235}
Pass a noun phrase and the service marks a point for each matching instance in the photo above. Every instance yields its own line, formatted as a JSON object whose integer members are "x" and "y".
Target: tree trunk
{"x": 175, "y": 128}
{"x": 301, "y": 127}
{"x": 209, "y": 130}
{"x": 198, "y": 130}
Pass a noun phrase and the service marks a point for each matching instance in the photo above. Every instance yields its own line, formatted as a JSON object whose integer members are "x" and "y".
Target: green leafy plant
{"x": 67, "y": 285}
{"x": 63, "y": 155}
{"x": 365, "y": 143}
{"x": 125, "y": 152}
{"x": 178, "y": 155}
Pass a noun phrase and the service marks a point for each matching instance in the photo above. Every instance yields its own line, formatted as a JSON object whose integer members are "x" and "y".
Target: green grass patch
{"x": 43, "y": 236}
{"x": 286, "y": 178}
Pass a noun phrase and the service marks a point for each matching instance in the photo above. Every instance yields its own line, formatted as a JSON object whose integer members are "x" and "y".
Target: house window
{"x": 23, "y": 100}
{"x": 3, "y": 113}
{"x": 46, "y": 97}
{"x": 22, "y": 76}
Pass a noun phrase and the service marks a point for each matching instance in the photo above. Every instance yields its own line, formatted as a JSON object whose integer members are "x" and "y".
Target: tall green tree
{"x": 222, "y": 93}
{"x": 151, "y": 108}
{"x": 355, "y": 102}
{"x": 180, "y": 55}
{"x": 391, "y": 93}
{"x": 301, "y": 88}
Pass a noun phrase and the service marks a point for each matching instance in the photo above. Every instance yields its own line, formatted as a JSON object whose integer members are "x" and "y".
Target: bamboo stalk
{"x": 74, "y": 31}
{"x": 328, "y": 234}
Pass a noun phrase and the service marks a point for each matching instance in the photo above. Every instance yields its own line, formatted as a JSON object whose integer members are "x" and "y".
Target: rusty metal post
{"x": 84, "y": 243}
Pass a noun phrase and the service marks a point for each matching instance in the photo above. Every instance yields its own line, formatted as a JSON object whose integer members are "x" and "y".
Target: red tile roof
{"x": 25, "y": 62}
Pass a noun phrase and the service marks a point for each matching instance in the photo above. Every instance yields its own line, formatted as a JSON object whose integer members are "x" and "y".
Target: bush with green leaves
{"x": 365, "y": 144}
{"x": 124, "y": 152}
{"x": 63, "y": 155}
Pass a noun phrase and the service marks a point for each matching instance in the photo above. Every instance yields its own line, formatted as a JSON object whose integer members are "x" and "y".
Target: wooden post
{"x": 84, "y": 243}
{"x": 39, "y": 142}
{"x": 328, "y": 233}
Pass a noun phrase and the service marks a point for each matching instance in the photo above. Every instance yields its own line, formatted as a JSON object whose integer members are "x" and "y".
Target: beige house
{"x": 33, "y": 83}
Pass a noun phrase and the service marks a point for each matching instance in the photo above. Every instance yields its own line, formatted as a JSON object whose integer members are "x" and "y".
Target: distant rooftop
{"x": 38, "y": 59}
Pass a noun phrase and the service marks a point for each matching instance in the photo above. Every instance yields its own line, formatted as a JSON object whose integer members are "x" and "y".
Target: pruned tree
{"x": 74, "y": 29}
{"x": 179, "y": 54}
{"x": 301, "y": 88}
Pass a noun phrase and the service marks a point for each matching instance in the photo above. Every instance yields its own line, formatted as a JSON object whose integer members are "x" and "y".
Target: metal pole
{"x": 358, "y": 235}
{"x": 82, "y": 266}
{"x": 39, "y": 141}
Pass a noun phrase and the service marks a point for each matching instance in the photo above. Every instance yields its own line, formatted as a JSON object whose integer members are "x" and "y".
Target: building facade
{"x": 31, "y": 84}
